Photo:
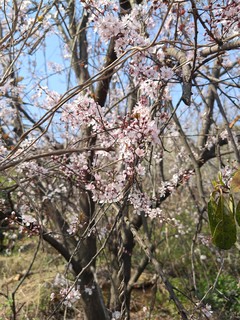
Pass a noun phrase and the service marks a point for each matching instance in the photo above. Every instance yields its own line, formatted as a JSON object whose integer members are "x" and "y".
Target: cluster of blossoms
{"x": 213, "y": 139}
{"x": 149, "y": 88}
{"x": 74, "y": 224}
{"x": 96, "y": 6}
{"x": 105, "y": 191}
{"x": 127, "y": 29}
{"x": 33, "y": 169}
{"x": 129, "y": 135}
{"x": 74, "y": 166}
{"x": 83, "y": 111}
{"x": 168, "y": 186}
{"x": 25, "y": 222}
{"x": 109, "y": 26}
{"x": 50, "y": 97}
{"x": 130, "y": 30}
{"x": 67, "y": 294}
{"x": 229, "y": 16}
{"x": 141, "y": 203}
{"x": 21, "y": 14}
{"x": 224, "y": 17}
{"x": 138, "y": 127}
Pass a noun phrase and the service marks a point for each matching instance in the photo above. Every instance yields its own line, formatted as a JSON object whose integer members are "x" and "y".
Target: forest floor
{"x": 32, "y": 291}
{"x": 33, "y": 286}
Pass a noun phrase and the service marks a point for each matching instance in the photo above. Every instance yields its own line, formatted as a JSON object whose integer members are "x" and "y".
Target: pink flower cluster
{"x": 127, "y": 135}
{"x": 83, "y": 110}
{"x": 67, "y": 294}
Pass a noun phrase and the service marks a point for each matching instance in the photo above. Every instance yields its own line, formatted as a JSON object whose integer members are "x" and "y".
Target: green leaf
{"x": 235, "y": 183}
{"x": 212, "y": 208}
{"x": 237, "y": 214}
{"x": 220, "y": 179}
{"x": 222, "y": 222}
{"x": 231, "y": 204}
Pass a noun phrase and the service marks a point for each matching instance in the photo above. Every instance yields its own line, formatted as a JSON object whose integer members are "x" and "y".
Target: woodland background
{"x": 118, "y": 123}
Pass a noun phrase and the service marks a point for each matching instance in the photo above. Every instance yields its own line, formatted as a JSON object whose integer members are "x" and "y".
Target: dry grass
{"x": 33, "y": 295}
{"x": 29, "y": 296}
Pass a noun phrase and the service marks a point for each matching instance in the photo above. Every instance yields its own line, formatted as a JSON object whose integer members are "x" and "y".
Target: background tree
{"x": 108, "y": 109}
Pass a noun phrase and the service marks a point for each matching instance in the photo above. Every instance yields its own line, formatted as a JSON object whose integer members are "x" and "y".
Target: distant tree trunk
{"x": 93, "y": 304}
{"x": 123, "y": 262}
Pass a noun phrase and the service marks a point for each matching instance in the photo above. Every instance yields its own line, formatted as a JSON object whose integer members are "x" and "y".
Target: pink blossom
{"x": 108, "y": 26}
{"x": 141, "y": 170}
{"x": 70, "y": 296}
{"x": 28, "y": 219}
{"x": 166, "y": 73}
{"x": 140, "y": 152}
